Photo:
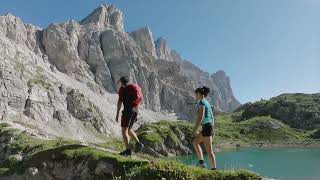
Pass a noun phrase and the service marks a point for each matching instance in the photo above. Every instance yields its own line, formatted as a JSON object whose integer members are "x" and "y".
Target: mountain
{"x": 222, "y": 96}
{"x": 62, "y": 80}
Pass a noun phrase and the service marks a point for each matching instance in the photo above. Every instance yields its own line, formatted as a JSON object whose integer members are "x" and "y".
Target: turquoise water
{"x": 284, "y": 164}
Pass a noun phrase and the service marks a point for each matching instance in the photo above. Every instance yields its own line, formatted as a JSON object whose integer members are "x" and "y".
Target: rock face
{"x": 164, "y": 52}
{"x": 105, "y": 16}
{"x": 62, "y": 80}
{"x": 300, "y": 111}
{"x": 143, "y": 38}
{"x": 262, "y": 124}
{"x": 221, "y": 95}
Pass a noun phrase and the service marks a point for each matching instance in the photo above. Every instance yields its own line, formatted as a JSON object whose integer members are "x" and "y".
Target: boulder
{"x": 166, "y": 138}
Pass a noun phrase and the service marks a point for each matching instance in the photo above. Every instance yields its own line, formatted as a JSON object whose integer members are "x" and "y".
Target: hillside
{"x": 253, "y": 124}
{"x": 298, "y": 110}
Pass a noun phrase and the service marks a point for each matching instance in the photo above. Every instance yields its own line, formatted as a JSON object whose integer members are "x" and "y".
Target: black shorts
{"x": 207, "y": 130}
{"x": 128, "y": 118}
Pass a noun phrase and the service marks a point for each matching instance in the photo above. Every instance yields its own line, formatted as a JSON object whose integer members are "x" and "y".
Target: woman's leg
{"x": 207, "y": 141}
{"x": 196, "y": 143}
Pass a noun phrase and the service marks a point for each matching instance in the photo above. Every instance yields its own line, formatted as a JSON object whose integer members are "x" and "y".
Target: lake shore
{"x": 269, "y": 163}
{"x": 308, "y": 145}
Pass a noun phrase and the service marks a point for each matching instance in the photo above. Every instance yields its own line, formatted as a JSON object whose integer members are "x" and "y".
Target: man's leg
{"x": 125, "y": 136}
{"x": 126, "y": 140}
{"x": 133, "y": 135}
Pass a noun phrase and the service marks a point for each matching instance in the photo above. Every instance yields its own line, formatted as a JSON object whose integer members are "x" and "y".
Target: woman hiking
{"x": 206, "y": 120}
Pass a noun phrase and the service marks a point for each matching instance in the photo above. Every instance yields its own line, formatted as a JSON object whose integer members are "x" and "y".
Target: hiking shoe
{"x": 126, "y": 152}
{"x": 202, "y": 165}
{"x": 139, "y": 147}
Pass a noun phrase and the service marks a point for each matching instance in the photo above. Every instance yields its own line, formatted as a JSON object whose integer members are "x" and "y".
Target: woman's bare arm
{"x": 200, "y": 116}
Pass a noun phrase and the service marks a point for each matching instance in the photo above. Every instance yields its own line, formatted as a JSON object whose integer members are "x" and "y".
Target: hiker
{"x": 130, "y": 96}
{"x": 206, "y": 120}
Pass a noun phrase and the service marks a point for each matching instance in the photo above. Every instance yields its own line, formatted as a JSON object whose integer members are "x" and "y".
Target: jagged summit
{"x": 9, "y": 14}
{"x": 143, "y": 37}
{"x": 164, "y": 52}
{"x": 220, "y": 73}
{"x": 222, "y": 77}
{"x": 105, "y": 15}
{"x": 10, "y": 17}
{"x": 160, "y": 42}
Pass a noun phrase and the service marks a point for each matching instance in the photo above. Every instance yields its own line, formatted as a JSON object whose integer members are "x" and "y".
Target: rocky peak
{"x": 175, "y": 56}
{"x": 143, "y": 37}
{"x": 221, "y": 76}
{"x": 105, "y": 16}
{"x": 8, "y": 14}
{"x": 164, "y": 52}
{"x": 223, "y": 84}
{"x": 13, "y": 28}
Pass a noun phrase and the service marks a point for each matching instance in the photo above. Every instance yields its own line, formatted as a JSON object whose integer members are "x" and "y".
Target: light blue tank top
{"x": 208, "y": 112}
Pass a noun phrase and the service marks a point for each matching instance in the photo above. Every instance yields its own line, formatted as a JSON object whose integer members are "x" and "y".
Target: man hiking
{"x": 130, "y": 96}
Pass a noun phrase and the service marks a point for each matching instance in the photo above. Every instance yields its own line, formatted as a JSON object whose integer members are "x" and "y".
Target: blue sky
{"x": 267, "y": 47}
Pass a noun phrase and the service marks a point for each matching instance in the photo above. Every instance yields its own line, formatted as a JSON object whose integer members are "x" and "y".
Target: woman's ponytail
{"x": 203, "y": 90}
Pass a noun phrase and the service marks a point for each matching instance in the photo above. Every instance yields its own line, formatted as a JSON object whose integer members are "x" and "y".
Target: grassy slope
{"x": 36, "y": 151}
{"x": 297, "y": 110}
{"x": 228, "y": 131}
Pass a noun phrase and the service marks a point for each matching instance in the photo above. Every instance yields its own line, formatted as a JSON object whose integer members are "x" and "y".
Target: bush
{"x": 175, "y": 171}
{"x": 315, "y": 134}
{"x": 160, "y": 170}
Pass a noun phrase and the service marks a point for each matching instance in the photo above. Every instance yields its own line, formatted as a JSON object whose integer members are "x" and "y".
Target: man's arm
{"x": 200, "y": 116}
{"x": 119, "y": 105}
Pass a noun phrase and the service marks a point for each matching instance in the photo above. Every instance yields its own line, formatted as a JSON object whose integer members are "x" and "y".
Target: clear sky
{"x": 267, "y": 47}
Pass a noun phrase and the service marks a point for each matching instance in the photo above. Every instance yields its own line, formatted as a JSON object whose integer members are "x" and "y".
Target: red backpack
{"x": 133, "y": 95}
